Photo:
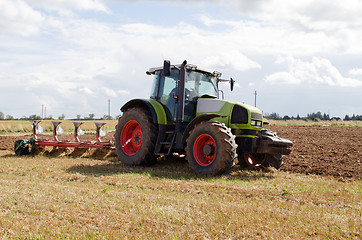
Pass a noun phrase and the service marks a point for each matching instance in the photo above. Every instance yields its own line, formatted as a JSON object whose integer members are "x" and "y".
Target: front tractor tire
{"x": 135, "y": 138}
{"x": 275, "y": 161}
{"x": 211, "y": 148}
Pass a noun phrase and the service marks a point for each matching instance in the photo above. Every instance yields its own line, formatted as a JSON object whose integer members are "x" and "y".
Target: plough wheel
{"x": 135, "y": 137}
{"x": 21, "y": 147}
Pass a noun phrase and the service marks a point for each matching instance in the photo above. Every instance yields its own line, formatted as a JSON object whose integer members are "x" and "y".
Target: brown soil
{"x": 333, "y": 151}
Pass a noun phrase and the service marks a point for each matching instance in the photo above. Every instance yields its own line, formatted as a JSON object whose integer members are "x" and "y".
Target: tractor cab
{"x": 184, "y": 116}
{"x": 198, "y": 83}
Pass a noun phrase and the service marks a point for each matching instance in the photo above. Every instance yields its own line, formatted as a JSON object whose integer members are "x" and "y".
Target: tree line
{"x": 275, "y": 116}
{"x": 313, "y": 116}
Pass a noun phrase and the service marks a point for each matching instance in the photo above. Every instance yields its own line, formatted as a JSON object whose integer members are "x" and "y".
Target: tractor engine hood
{"x": 232, "y": 113}
{"x": 214, "y": 105}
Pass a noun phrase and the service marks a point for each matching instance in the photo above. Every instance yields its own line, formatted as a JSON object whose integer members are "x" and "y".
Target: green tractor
{"x": 185, "y": 116}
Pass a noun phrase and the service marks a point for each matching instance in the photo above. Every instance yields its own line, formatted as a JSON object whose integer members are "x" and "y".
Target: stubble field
{"x": 317, "y": 194}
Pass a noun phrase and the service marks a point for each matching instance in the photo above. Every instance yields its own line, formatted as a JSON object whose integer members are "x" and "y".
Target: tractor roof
{"x": 189, "y": 67}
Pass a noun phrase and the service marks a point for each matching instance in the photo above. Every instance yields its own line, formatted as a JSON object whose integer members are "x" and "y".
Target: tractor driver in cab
{"x": 197, "y": 84}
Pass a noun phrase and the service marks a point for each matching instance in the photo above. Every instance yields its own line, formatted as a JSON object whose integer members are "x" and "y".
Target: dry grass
{"x": 78, "y": 198}
{"x": 20, "y": 126}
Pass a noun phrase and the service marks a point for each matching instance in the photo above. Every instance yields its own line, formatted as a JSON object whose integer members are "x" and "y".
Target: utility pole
{"x": 42, "y": 111}
{"x": 109, "y": 109}
{"x": 255, "y": 98}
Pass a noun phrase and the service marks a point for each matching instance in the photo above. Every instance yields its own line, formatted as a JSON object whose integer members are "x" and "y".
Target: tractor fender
{"x": 196, "y": 120}
{"x": 157, "y": 111}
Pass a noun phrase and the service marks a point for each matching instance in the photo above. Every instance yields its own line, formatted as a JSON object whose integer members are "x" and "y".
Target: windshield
{"x": 200, "y": 83}
{"x": 165, "y": 91}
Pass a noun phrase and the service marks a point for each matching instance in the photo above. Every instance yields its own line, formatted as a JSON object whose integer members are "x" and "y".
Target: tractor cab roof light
{"x": 191, "y": 67}
{"x": 216, "y": 74}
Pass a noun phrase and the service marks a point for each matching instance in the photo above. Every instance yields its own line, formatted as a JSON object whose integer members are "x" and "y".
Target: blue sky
{"x": 72, "y": 56}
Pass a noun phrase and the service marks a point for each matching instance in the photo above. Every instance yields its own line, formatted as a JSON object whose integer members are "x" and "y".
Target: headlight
{"x": 255, "y": 123}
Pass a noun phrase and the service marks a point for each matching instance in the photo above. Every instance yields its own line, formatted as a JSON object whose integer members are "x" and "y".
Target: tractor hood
{"x": 212, "y": 105}
{"x": 233, "y": 114}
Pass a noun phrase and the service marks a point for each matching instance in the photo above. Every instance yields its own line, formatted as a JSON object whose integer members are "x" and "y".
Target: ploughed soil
{"x": 335, "y": 151}
{"x": 332, "y": 151}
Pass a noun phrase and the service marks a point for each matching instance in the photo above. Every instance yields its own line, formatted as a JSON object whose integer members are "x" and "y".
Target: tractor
{"x": 185, "y": 116}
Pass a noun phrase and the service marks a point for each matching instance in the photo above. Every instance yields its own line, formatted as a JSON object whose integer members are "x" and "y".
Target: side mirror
{"x": 166, "y": 68}
{"x": 232, "y": 84}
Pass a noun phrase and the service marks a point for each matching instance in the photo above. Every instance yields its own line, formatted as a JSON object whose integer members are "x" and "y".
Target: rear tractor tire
{"x": 135, "y": 138}
{"x": 211, "y": 148}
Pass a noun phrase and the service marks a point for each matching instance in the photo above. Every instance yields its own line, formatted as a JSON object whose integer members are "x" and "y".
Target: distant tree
{"x": 355, "y": 117}
{"x": 298, "y": 117}
{"x": 9, "y": 117}
{"x": 2, "y": 116}
{"x": 50, "y": 117}
{"x": 34, "y": 117}
{"x": 347, "y": 118}
{"x": 107, "y": 117}
{"x": 62, "y": 117}
{"x": 286, "y": 117}
{"x": 78, "y": 117}
{"x": 315, "y": 116}
{"x": 90, "y": 117}
{"x": 274, "y": 116}
{"x": 336, "y": 118}
{"x": 326, "y": 116}
{"x": 118, "y": 116}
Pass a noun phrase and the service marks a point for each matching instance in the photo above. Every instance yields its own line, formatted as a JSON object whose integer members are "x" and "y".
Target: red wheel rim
{"x": 204, "y": 150}
{"x": 131, "y": 137}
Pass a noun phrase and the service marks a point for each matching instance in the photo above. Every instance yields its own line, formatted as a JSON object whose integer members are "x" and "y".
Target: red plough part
{"x": 21, "y": 147}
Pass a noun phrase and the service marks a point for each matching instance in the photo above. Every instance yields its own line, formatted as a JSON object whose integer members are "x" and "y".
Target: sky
{"x": 72, "y": 56}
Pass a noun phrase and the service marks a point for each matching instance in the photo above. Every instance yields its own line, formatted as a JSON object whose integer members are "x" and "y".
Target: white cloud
{"x": 123, "y": 92}
{"x": 355, "y": 71}
{"x": 86, "y": 91}
{"x": 282, "y": 78}
{"x": 306, "y": 26}
{"x": 229, "y": 60}
{"x": 306, "y": 15}
{"x": 64, "y": 6}
{"x": 58, "y": 56}
{"x": 317, "y": 71}
{"x": 17, "y": 17}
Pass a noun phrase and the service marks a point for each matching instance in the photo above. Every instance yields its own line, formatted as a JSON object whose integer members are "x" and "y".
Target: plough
{"x": 21, "y": 147}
